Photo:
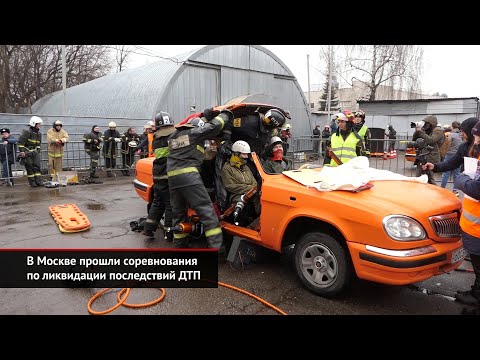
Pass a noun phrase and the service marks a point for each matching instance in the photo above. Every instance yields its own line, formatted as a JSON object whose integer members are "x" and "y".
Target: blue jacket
{"x": 7, "y": 149}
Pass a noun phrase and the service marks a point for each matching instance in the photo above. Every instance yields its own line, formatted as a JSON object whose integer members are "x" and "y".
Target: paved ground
{"x": 26, "y": 223}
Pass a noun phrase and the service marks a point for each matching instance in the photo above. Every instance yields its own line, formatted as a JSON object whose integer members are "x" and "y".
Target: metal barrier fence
{"x": 309, "y": 149}
{"x": 74, "y": 158}
{"x": 301, "y": 150}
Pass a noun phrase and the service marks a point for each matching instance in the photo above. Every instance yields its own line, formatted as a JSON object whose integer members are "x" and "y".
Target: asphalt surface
{"x": 111, "y": 206}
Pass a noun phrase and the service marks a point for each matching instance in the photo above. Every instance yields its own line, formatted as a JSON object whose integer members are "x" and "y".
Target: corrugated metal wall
{"x": 401, "y": 114}
{"x": 195, "y": 86}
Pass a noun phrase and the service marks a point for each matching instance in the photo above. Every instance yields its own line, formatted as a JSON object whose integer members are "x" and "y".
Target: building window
{"x": 312, "y": 105}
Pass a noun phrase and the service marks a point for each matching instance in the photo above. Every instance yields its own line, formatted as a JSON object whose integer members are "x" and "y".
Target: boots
{"x": 472, "y": 297}
{"x": 92, "y": 175}
{"x": 32, "y": 182}
{"x": 38, "y": 181}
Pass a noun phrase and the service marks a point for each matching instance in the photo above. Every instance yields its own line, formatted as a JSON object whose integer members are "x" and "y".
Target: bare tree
{"x": 29, "y": 72}
{"x": 122, "y": 55}
{"x": 375, "y": 65}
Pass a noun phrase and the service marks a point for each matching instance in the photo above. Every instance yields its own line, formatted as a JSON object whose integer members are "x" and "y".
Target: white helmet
{"x": 241, "y": 146}
{"x": 35, "y": 120}
{"x": 112, "y": 124}
{"x": 288, "y": 126}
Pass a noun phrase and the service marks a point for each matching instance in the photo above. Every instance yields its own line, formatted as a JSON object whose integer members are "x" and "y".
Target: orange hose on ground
{"x": 121, "y": 301}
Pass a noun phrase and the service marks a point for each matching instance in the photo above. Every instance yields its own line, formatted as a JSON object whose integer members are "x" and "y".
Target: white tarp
{"x": 350, "y": 176}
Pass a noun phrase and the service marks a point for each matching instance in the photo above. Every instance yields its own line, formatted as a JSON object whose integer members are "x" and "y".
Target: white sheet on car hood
{"x": 350, "y": 176}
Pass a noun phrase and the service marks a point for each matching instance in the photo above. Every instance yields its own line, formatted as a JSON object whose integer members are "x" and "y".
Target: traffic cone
{"x": 393, "y": 154}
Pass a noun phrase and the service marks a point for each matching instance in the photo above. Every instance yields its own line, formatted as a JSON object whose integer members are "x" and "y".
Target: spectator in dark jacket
{"x": 457, "y": 159}
{"x": 469, "y": 221}
{"x": 433, "y": 136}
{"x": 454, "y": 140}
{"x": 7, "y": 156}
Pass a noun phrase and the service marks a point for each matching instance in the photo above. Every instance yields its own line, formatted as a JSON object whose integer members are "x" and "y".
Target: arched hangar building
{"x": 211, "y": 75}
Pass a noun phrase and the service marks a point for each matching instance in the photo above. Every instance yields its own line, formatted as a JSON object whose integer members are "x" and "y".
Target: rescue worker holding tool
{"x": 186, "y": 154}
{"x": 275, "y": 162}
{"x": 130, "y": 141}
{"x": 29, "y": 147}
{"x": 56, "y": 138}
{"x": 256, "y": 130}
{"x": 238, "y": 179}
{"x": 346, "y": 142}
{"x": 111, "y": 137}
{"x": 93, "y": 143}
{"x": 363, "y": 130}
{"x": 161, "y": 195}
{"x": 432, "y": 135}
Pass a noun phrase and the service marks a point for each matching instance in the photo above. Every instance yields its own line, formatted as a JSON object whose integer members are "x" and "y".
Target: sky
{"x": 449, "y": 69}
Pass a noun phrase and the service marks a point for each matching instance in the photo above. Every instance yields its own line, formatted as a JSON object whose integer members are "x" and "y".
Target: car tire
{"x": 322, "y": 264}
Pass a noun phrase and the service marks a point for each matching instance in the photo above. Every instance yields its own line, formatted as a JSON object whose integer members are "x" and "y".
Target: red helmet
{"x": 350, "y": 116}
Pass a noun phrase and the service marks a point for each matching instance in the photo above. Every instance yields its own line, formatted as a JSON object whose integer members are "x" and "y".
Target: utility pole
{"x": 308, "y": 77}
{"x": 329, "y": 95}
{"x": 64, "y": 81}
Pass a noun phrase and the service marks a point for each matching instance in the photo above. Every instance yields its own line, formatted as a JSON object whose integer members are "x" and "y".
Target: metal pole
{"x": 308, "y": 77}
{"x": 329, "y": 95}
{"x": 64, "y": 81}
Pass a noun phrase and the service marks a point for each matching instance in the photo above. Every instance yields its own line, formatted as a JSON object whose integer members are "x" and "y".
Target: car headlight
{"x": 403, "y": 228}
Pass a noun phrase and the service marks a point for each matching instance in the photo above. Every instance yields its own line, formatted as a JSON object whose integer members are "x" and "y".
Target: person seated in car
{"x": 274, "y": 161}
{"x": 238, "y": 179}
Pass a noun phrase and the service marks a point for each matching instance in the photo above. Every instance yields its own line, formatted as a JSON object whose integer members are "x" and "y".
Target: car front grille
{"x": 446, "y": 226}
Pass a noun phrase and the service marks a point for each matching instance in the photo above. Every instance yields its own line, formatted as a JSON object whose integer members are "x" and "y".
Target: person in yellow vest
{"x": 56, "y": 139}
{"x": 346, "y": 143}
{"x": 362, "y": 130}
{"x": 470, "y": 221}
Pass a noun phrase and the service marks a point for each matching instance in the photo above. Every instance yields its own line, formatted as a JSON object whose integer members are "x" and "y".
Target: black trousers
{"x": 197, "y": 198}
{"x": 160, "y": 205}
{"x": 32, "y": 165}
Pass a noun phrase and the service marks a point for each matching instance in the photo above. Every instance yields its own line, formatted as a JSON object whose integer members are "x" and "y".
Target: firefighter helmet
{"x": 111, "y": 124}
{"x": 274, "y": 141}
{"x": 350, "y": 116}
{"x": 163, "y": 119}
{"x": 57, "y": 122}
{"x": 34, "y": 120}
{"x": 241, "y": 146}
{"x": 273, "y": 119}
{"x": 360, "y": 113}
{"x": 340, "y": 117}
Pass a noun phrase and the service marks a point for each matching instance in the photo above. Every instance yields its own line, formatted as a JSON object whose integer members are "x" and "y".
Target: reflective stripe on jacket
{"x": 344, "y": 149}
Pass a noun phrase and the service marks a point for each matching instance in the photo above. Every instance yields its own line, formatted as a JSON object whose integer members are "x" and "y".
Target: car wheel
{"x": 322, "y": 264}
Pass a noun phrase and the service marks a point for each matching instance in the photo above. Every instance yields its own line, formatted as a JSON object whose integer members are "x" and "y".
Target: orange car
{"x": 396, "y": 232}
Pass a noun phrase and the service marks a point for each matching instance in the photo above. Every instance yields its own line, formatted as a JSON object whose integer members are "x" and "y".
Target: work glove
{"x": 209, "y": 114}
{"x": 64, "y": 140}
{"x": 118, "y": 140}
{"x": 226, "y": 148}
